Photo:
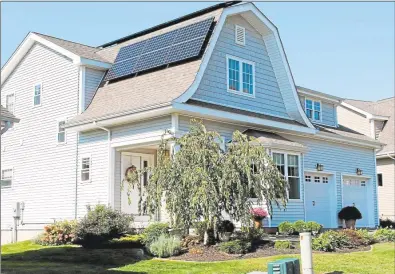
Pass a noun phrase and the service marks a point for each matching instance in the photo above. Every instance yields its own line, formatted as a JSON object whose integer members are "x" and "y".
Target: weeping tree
{"x": 200, "y": 181}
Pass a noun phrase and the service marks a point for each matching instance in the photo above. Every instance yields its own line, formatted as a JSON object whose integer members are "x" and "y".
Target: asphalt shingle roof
{"x": 385, "y": 107}
{"x": 145, "y": 91}
{"x": 76, "y": 48}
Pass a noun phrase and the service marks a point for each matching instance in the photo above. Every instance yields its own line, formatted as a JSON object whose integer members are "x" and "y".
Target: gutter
{"x": 110, "y": 169}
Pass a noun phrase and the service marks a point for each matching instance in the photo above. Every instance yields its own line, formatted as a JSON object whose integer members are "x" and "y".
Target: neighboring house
{"x": 7, "y": 118}
{"x": 376, "y": 119}
{"x": 225, "y": 64}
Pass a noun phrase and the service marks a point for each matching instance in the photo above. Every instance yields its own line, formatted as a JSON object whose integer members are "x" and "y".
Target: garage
{"x": 319, "y": 189}
{"x": 355, "y": 193}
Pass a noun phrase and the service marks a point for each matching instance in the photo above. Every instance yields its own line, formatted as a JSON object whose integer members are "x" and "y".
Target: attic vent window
{"x": 240, "y": 35}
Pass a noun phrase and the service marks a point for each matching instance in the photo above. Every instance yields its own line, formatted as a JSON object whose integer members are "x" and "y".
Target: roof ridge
{"x": 66, "y": 40}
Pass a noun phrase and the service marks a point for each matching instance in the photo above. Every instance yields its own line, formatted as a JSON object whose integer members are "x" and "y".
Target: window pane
{"x": 247, "y": 79}
{"x": 309, "y": 113}
{"x": 317, "y": 115}
{"x": 278, "y": 160}
{"x": 84, "y": 175}
{"x": 309, "y": 104}
{"x": 37, "y": 90}
{"x": 37, "y": 100}
{"x": 234, "y": 70}
{"x": 317, "y": 106}
{"x": 294, "y": 188}
{"x": 380, "y": 179}
{"x": 10, "y": 102}
{"x": 85, "y": 163}
{"x": 61, "y": 137}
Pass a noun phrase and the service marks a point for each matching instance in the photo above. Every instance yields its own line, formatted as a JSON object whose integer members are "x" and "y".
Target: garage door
{"x": 318, "y": 198}
{"x": 355, "y": 194}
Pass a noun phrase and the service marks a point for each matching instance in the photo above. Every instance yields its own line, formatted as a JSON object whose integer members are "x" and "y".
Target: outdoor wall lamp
{"x": 359, "y": 171}
{"x": 320, "y": 167}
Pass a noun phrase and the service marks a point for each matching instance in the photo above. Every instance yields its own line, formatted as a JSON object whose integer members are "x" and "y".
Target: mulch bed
{"x": 211, "y": 253}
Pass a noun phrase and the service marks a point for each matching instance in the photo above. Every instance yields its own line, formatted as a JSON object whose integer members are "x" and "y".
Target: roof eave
{"x": 313, "y": 93}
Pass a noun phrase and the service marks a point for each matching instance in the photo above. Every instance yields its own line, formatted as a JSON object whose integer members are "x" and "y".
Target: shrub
{"x": 235, "y": 247}
{"x": 387, "y": 223}
{"x": 282, "y": 245}
{"x": 350, "y": 213}
{"x": 356, "y": 238}
{"x": 384, "y": 235}
{"x": 165, "y": 246}
{"x": 286, "y": 228}
{"x": 191, "y": 240}
{"x": 59, "y": 233}
{"x": 101, "y": 225}
{"x": 329, "y": 241}
{"x": 153, "y": 232}
{"x": 200, "y": 228}
{"x": 313, "y": 227}
{"x": 299, "y": 226}
{"x": 226, "y": 226}
{"x": 127, "y": 241}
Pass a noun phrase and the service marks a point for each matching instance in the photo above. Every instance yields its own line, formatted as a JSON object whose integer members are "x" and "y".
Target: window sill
{"x": 86, "y": 182}
{"x": 61, "y": 144}
{"x": 241, "y": 93}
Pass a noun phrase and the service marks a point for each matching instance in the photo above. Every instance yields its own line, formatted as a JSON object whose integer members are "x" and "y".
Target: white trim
{"x": 88, "y": 155}
{"x": 241, "y": 61}
{"x": 228, "y": 116}
{"x": 286, "y": 153}
{"x": 41, "y": 93}
{"x": 122, "y": 118}
{"x": 312, "y": 93}
{"x": 29, "y": 41}
{"x": 237, "y": 27}
{"x": 174, "y": 122}
{"x": 61, "y": 119}
{"x": 313, "y": 108}
{"x": 367, "y": 177}
{"x": 153, "y": 137}
{"x": 377, "y": 189}
{"x": 238, "y": 9}
{"x": 12, "y": 176}
{"x": 81, "y": 87}
{"x": 325, "y": 172}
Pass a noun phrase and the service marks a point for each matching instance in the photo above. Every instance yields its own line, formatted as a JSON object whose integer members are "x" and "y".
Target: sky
{"x": 342, "y": 48}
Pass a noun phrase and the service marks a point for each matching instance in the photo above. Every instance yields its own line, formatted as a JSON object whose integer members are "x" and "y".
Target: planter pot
{"x": 350, "y": 224}
{"x": 258, "y": 223}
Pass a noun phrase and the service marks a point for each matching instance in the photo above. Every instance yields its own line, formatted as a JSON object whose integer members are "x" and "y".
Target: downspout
{"x": 110, "y": 172}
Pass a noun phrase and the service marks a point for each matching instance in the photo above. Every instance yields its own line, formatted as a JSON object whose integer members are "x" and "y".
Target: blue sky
{"x": 345, "y": 49}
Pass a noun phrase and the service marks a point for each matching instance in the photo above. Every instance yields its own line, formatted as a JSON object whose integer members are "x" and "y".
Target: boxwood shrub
{"x": 235, "y": 247}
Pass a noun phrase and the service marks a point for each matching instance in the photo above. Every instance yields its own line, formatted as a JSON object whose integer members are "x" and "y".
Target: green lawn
{"x": 26, "y": 257}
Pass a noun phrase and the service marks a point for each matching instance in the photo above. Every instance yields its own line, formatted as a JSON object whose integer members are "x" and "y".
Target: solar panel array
{"x": 171, "y": 47}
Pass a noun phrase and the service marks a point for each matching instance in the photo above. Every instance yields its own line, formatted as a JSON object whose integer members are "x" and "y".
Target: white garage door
{"x": 355, "y": 194}
{"x": 318, "y": 195}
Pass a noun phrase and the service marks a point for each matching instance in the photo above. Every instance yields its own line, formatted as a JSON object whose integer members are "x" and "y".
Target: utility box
{"x": 17, "y": 210}
{"x": 284, "y": 266}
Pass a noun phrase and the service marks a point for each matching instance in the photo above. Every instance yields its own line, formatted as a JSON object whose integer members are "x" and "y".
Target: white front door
{"x": 130, "y": 197}
{"x": 355, "y": 194}
{"x": 319, "y": 202}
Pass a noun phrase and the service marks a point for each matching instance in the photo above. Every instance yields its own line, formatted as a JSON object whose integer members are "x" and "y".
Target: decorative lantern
{"x": 359, "y": 171}
{"x": 320, "y": 167}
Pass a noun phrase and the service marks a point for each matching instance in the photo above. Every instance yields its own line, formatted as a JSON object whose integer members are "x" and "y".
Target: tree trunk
{"x": 206, "y": 238}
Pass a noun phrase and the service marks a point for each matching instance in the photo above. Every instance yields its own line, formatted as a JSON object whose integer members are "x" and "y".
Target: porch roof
{"x": 272, "y": 140}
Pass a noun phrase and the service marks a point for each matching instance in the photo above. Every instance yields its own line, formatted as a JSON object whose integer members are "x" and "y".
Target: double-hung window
{"x": 85, "y": 168}
{"x": 6, "y": 177}
{"x": 288, "y": 165}
{"x": 61, "y": 131}
{"x": 10, "y": 100}
{"x": 313, "y": 109}
{"x": 241, "y": 76}
{"x": 37, "y": 94}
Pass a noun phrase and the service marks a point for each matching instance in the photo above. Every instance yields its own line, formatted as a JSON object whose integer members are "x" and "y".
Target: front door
{"x": 130, "y": 197}
{"x": 319, "y": 205}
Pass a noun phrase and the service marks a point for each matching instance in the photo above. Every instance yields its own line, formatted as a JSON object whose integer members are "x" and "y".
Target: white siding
{"x": 387, "y": 191}
{"x": 354, "y": 121}
{"x": 44, "y": 172}
{"x": 93, "y": 78}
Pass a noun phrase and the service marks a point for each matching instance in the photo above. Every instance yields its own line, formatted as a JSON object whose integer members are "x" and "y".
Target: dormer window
{"x": 313, "y": 109}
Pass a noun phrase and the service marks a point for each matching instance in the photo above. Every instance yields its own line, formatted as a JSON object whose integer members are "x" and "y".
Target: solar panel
{"x": 167, "y": 48}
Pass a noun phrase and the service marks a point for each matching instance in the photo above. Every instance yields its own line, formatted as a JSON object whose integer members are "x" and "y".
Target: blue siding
{"x": 342, "y": 159}
{"x": 213, "y": 87}
{"x": 328, "y": 112}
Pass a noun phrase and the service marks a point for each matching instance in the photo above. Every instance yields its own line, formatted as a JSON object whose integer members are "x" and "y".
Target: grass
{"x": 27, "y": 257}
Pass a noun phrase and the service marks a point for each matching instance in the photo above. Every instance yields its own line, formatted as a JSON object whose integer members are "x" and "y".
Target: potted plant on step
{"x": 225, "y": 230}
{"x": 350, "y": 214}
{"x": 258, "y": 214}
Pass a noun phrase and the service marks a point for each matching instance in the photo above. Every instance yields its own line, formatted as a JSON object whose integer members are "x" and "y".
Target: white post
{"x": 306, "y": 253}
